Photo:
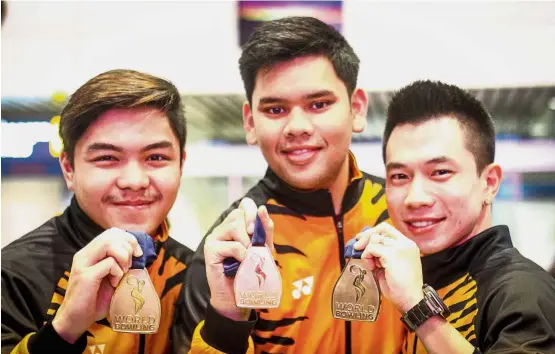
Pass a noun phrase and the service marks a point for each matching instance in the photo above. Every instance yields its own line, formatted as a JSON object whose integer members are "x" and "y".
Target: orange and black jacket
{"x": 500, "y": 301}
{"x": 35, "y": 272}
{"x": 309, "y": 240}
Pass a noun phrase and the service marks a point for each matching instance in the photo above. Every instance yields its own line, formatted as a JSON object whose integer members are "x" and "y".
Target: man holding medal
{"x": 124, "y": 138}
{"x": 300, "y": 79}
{"x": 456, "y": 278}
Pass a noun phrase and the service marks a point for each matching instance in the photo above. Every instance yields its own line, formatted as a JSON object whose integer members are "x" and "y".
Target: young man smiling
{"x": 439, "y": 148}
{"x": 300, "y": 78}
{"x": 124, "y": 138}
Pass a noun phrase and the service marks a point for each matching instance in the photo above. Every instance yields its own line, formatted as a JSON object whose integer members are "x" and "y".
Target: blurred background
{"x": 503, "y": 52}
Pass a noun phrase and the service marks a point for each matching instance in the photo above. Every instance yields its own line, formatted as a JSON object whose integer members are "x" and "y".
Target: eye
{"x": 158, "y": 157}
{"x": 319, "y": 105}
{"x": 275, "y": 110}
{"x": 441, "y": 172}
{"x": 398, "y": 176}
{"x": 104, "y": 158}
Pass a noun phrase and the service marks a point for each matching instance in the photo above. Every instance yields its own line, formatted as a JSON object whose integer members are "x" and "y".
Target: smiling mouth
{"x": 300, "y": 156}
{"x": 133, "y": 203}
{"x": 423, "y": 225}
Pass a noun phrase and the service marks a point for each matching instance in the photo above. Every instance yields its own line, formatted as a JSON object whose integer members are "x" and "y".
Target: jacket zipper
{"x": 338, "y": 221}
{"x": 142, "y": 340}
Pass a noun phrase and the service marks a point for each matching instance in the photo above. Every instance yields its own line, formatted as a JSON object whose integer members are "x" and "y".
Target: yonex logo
{"x": 303, "y": 287}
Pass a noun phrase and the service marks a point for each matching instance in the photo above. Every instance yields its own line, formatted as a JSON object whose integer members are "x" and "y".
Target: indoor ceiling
{"x": 526, "y": 112}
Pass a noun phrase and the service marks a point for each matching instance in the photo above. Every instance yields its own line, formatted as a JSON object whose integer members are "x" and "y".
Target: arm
{"x": 198, "y": 328}
{"x": 439, "y": 336}
{"x": 204, "y": 322}
{"x": 21, "y": 312}
{"x": 395, "y": 260}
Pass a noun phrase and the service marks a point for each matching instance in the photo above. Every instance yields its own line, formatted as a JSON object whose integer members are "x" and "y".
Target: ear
{"x": 67, "y": 169}
{"x": 359, "y": 107}
{"x": 248, "y": 124}
{"x": 492, "y": 177}
{"x": 183, "y": 158}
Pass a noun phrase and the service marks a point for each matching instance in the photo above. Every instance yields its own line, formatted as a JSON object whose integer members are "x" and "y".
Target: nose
{"x": 418, "y": 196}
{"x": 133, "y": 176}
{"x": 299, "y": 123}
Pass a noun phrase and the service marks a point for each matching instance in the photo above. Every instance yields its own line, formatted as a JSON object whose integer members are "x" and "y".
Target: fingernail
{"x": 250, "y": 228}
{"x": 138, "y": 251}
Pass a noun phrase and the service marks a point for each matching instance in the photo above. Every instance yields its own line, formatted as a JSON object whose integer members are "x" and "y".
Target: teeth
{"x": 421, "y": 223}
{"x": 300, "y": 152}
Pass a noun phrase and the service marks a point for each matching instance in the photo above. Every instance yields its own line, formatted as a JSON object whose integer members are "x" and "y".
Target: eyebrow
{"x": 310, "y": 96}
{"x": 434, "y": 161}
{"x": 106, "y": 146}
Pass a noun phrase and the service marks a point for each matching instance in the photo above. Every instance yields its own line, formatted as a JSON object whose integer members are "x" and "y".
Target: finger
{"x": 236, "y": 216}
{"x": 380, "y": 239}
{"x": 268, "y": 224}
{"x": 217, "y": 251}
{"x": 370, "y": 263}
{"x": 366, "y": 228}
{"x": 132, "y": 241}
{"x": 107, "y": 267}
{"x": 389, "y": 231}
{"x": 120, "y": 254}
{"x": 129, "y": 250}
{"x": 97, "y": 249}
{"x": 363, "y": 239}
{"x": 376, "y": 251}
{"x": 249, "y": 208}
{"x": 234, "y": 231}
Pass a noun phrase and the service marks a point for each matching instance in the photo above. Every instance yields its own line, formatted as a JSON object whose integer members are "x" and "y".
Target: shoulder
{"x": 510, "y": 279}
{"x": 373, "y": 179}
{"x": 35, "y": 244}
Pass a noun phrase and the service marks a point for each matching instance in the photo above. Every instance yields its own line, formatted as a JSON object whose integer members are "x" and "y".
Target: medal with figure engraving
{"x": 356, "y": 295}
{"x": 135, "y": 305}
{"x": 257, "y": 283}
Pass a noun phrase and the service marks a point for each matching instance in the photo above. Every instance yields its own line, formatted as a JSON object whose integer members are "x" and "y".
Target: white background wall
{"x": 50, "y": 46}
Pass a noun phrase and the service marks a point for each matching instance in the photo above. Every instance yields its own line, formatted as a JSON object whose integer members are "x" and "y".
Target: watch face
{"x": 437, "y": 302}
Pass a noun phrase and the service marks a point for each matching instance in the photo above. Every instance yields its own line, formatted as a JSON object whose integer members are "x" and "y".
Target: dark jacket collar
{"x": 316, "y": 202}
{"x": 79, "y": 229}
{"x": 76, "y": 226}
{"x": 443, "y": 268}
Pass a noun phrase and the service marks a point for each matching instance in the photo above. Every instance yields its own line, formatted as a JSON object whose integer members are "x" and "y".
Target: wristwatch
{"x": 429, "y": 306}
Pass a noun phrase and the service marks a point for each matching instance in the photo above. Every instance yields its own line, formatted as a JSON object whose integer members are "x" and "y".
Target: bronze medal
{"x": 356, "y": 294}
{"x": 135, "y": 305}
{"x": 257, "y": 284}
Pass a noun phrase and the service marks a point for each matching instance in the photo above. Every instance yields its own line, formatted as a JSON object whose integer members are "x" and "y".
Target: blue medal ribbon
{"x": 231, "y": 265}
{"x": 349, "y": 248}
{"x": 149, "y": 252}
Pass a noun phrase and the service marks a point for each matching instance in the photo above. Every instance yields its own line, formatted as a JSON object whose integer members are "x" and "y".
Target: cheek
{"x": 269, "y": 132}
{"x": 93, "y": 183}
{"x": 335, "y": 125}
{"x": 166, "y": 180}
{"x": 395, "y": 200}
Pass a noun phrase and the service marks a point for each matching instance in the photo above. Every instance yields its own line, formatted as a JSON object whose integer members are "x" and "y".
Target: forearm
{"x": 439, "y": 336}
{"x": 47, "y": 340}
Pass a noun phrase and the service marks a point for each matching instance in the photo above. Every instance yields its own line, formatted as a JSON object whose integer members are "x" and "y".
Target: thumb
{"x": 249, "y": 208}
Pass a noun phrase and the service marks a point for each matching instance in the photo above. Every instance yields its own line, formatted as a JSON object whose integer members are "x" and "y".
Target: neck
{"x": 339, "y": 186}
{"x": 484, "y": 222}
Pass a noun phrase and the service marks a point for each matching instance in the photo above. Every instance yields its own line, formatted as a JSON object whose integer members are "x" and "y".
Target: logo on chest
{"x": 303, "y": 287}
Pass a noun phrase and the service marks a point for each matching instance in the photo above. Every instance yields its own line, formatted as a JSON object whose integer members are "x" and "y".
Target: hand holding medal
{"x": 135, "y": 305}
{"x": 96, "y": 271}
{"x": 395, "y": 260}
{"x": 242, "y": 273}
{"x": 356, "y": 296}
